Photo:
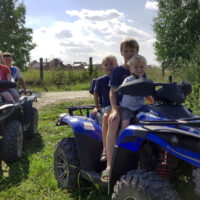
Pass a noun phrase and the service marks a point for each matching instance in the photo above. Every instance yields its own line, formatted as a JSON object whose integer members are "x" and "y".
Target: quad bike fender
{"x": 182, "y": 153}
{"x": 166, "y": 137}
{"x": 11, "y": 112}
{"x": 132, "y": 137}
{"x": 170, "y": 138}
{"x": 81, "y": 125}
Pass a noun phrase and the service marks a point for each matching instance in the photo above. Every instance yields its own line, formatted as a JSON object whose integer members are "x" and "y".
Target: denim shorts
{"x": 126, "y": 114}
{"x": 106, "y": 109}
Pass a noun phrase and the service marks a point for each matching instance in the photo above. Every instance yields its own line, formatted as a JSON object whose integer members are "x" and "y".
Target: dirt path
{"x": 45, "y": 98}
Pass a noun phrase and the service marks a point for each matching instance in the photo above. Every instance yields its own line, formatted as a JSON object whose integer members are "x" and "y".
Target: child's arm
{"x": 113, "y": 102}
{"x": 149, "y": 99}
{"x": 23, "y": 85}
{"x": 96, "y": 103}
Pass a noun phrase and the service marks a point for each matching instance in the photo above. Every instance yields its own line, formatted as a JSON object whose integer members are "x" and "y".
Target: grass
{"x": 33, "y": 176}
{"x": 60, "y": 80}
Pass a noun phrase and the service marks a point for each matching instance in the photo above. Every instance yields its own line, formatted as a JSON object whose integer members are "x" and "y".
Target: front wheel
{"x": 66, "y": 164}
{"x": 143, "y": 185}
{"x": 33, "y": 128}
{"x": 12, "y": 141}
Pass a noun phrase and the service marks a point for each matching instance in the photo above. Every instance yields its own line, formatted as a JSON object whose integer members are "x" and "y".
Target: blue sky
{"x": 74, "y": 30}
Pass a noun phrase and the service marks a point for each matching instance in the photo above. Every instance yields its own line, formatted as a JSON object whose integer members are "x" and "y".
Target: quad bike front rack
{"x": 72, "y": 109}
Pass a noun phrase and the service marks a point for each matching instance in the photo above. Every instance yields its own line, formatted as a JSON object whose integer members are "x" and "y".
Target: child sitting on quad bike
{"x": 5, "y": 74}
{"x": 130, "y": 104}
{"x": 16, "y": 74}
{"x": 128, "y": 48}
{"x": 101, "y": 90}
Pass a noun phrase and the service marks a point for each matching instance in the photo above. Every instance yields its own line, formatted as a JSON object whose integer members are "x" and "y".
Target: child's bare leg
{"x": 105, "y": 128}
{"x": 111, "y": 140}
{"x": 104, "y": 134}
{"x": 124, "y": 124}
{"x": 7, "y": 96}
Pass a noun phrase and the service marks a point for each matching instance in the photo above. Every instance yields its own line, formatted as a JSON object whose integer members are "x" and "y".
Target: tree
{"x": 177, "y": 29}
{"x": 14, "y": 37}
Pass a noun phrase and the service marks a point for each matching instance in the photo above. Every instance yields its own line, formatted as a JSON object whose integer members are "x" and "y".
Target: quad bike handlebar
{"x": 169, "y": 93}
{"x": 22, "y": 92}
{"x": 72, "y": 109}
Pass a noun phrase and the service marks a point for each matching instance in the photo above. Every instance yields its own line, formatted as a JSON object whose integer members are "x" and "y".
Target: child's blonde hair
{"x": 110, "y": 57}
{"x": 137, "y": 58}
{"x": 129, "y": 42}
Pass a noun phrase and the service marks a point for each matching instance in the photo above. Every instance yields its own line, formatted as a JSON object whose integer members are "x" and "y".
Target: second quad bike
{"x": 160, "y": 143}
{"x": 17, "y": 121}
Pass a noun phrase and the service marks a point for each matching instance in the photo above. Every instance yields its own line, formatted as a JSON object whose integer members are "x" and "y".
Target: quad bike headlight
{"x": 61, "y": 116}
{"x": 6, "y": 109}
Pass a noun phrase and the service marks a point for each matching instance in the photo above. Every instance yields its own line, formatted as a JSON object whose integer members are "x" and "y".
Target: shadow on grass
{"x": 13, "y": 173}
{"x": 91, "y": 192}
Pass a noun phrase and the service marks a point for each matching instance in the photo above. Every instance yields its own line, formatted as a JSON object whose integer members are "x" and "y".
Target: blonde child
{"x": 102, "y": 90}
{"x": 130, "y": 104}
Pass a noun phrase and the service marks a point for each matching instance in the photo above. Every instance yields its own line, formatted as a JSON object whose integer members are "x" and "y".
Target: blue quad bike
{"x": 17, "y": 120}
{"x": 161, "y": 144}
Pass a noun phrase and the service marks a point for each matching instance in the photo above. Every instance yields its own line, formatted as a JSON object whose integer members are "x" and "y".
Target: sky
{"x": 74, "y": 30}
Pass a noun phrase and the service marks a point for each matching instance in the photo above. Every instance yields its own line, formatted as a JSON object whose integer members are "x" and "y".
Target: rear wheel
{"x": 143, "y": 185}
{"x": 66, "y": 164}
{"x": 33, "y": 128}
{"x": 12, "y": 141}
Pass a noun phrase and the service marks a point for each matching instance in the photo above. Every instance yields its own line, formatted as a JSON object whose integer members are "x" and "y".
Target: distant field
{"x": 61, "y": 80}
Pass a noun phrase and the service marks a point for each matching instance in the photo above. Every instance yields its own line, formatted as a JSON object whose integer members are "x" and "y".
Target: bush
{"x": 190, "y": 69}
{"x": 192, "y": 100}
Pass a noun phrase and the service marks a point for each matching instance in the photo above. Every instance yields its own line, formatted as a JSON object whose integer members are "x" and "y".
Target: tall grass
{"x": 62, "y": 80}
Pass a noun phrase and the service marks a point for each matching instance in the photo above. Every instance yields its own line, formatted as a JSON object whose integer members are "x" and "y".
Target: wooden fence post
{"x": 90, "y": 66}
{"x": 41, "y": 71}
{"x": 163, "y": 69}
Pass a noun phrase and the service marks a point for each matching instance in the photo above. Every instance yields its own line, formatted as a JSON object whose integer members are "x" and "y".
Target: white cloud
{"x": 90, "y": 34}
{"x": 64, "y": 34}
{"x": 152, "y": 5}
{"x": 96, "y": 15}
